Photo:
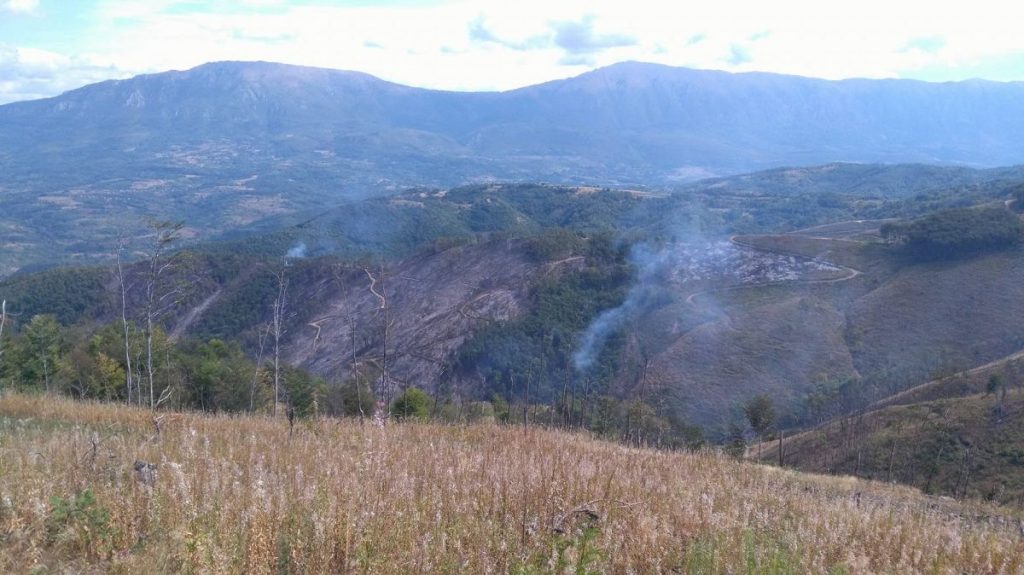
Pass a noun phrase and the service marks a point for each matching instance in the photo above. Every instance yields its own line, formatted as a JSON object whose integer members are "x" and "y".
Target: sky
{"x": 50, "y": 46}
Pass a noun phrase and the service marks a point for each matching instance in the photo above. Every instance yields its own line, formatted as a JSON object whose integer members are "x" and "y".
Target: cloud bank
{"x": 492, "y": 45}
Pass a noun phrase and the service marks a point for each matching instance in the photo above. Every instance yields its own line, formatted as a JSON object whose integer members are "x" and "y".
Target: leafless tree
{"x": 161, "y": 295}
{"x": 3, "y": 321}
{"x": 259, "y": 365}
{"x": 124, "y": 322}
{"x": 960, "y": 490}
{"x": 277, "y": 323}
{"x": 382, "y": 296}
{"x": 526, "y": 402}
{"x": 353, "y": 373}
{"x": 355, "y": 377}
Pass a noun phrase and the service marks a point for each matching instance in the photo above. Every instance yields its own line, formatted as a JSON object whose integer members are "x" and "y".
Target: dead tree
{"x": 352, "y": 343}
{"x": 3, "y": 321}
{"x": 278, "y": 329}
{"x": 382, "y": 297}
{"x": 160, "y": 297}
{"x": 643, "y": 398}
{"x": 782, "y": 453}
{"x": 259, "y": 364}
{"x": 960, "y": 490}
{"x": 892, "y": 460}
{"x": 566, "y": 422}
{"x": 124, "y": 323}
{"x": 526, "y": 401}
{"x": 355, "y": 376}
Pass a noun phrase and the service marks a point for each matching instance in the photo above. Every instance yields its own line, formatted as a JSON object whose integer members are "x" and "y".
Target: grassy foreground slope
{"x": 245, "y": 494}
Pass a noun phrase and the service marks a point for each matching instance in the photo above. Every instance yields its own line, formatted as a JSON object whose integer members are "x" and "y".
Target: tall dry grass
{"x": 245, "y": 495}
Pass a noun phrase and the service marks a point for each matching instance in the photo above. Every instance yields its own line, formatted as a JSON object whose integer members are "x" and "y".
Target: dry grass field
{"x": 250, "y": 495}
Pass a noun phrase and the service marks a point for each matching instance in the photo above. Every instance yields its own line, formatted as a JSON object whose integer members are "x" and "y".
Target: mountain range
{"x": 630, "y": 123}
{"x": 227, "y": 145}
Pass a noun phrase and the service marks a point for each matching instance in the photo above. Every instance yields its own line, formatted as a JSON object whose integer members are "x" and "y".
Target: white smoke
{"x": 648, "y": 264}
{"x": 297, "y": 251}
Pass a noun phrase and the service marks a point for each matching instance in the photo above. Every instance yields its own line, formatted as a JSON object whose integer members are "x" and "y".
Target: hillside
{"x": 497, "y": 289}
{"x": 958, "y": 435}
{"x": 227, "y": 145}
{"x": 583, "y": 298}
{"x": 335, "y": 496}
{"x": 824, "y": 321}
{"x": 968, "y": 446}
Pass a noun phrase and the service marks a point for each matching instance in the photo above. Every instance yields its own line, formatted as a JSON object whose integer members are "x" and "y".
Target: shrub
{"x": 412, "y": 403}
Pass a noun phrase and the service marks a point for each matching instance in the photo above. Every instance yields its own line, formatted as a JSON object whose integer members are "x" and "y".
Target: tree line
{"x": 956, "y": 232}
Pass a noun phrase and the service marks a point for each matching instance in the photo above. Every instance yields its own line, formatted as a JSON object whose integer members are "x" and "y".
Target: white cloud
{"x": 20, "y": 6}
{"x": 474, "y": 45}
{"x": 31, "y": 73}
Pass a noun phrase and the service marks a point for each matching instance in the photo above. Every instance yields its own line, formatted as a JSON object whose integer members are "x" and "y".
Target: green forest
{"x": 956, "y": 232}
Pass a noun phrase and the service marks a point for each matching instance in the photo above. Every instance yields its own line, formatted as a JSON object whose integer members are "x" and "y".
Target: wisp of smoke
{"x": 648, "y": 264}
{"x": 297, "y": 251}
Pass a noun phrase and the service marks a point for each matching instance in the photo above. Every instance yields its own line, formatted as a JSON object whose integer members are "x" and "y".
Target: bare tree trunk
{"x": 164, "y": 234}
{"x": 892, "y": 460}
{"x": 960, "y": 491}
{"x": 565, "y": 395}
{"x": 149, "y": 358}
{"x": 279, "y": 302}
{"x": 572, "y": 403}
{"x": 150, "y": 299}
{"x": 526, "y": 404}
{"x": 643, "y": 397}
{"x": 382, "y": 296}
{"x": 384, "y": 353}
{"x": 3, "y": 321}
{"x": 355, "y": 376}
{"x": 585, "y": 403}
{"x": 124, "y": 325}
{"x": 256, "y": 372}
{"x": 781, "y": 452}
{"x": 138, "y": 378}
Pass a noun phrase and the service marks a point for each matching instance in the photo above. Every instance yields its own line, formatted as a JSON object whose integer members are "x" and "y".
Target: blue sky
{"x": 49, "y": 46}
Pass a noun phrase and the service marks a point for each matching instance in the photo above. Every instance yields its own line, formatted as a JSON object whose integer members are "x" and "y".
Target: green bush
{"x": 413, "y": 403}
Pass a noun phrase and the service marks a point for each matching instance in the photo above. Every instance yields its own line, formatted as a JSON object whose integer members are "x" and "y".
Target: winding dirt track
{"x": 881, "y": 404}
{"x": 895, "y": 399}
{"x": 850, "y": 272}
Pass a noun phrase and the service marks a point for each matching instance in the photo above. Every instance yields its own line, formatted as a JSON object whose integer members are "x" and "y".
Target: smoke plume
{"x": 648, "y": 264}
{"x": 297, "y": 251}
